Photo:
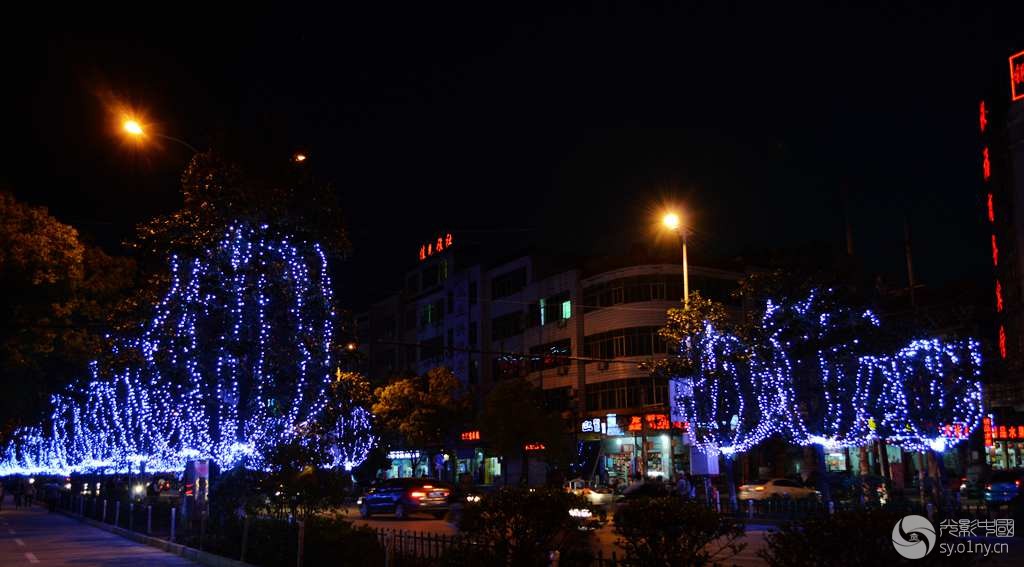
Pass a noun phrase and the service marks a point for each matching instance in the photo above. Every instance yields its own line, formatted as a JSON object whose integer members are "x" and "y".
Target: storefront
{"x": 475, "y": 461}
{"x": 405, "y": 464}
{"x": 1004, "y": 444}
{"x": 635, "y": 446}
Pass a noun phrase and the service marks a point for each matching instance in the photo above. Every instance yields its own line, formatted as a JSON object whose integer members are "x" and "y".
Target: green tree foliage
{"x": 56, "y": 297}
{"x": 687, "y": 323}
{"x": 424, "y": 411}
{"x": 671, "y": 531}
{"x": 514, "y": 415}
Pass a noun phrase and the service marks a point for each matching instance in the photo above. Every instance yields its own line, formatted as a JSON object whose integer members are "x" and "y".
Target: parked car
{"x": 776, "y": 488}
{"x": 404, "y": 496}
{"x": 646, "y": 490}
{"x": 1002, "y": 487}
{"x": 595, "y": 495}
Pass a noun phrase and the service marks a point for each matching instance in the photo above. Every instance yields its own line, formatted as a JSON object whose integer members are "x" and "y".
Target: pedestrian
{"x": 684, "y": 487}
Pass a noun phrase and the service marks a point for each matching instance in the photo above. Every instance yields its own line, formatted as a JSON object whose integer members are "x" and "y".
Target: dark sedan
{"x": 404, "y": 496}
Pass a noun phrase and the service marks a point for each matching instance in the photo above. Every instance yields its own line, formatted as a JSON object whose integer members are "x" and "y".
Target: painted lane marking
{"x": 18, "y": 541}
{"x": 31, "y": 558}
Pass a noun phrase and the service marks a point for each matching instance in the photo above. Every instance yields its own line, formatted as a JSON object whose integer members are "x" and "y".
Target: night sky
{"x": 554, "y": 127}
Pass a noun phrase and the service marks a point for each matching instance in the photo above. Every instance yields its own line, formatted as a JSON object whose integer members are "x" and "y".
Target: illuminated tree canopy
{"x": 235, "y": 360}
{"x": 815, "y": 372}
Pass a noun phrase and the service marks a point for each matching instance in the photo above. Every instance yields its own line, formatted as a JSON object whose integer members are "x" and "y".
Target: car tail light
{"x": 988, "y": 487}
{"x": 1017, "y": 482}
{"x": 417, "y": 494}
{"x": 428, "y": 486}
{"x": 759, "y": 488}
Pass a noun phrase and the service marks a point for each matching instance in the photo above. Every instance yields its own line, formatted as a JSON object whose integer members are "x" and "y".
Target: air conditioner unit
{"x": 563, "y": 370}
{"x": 602, "y": 365}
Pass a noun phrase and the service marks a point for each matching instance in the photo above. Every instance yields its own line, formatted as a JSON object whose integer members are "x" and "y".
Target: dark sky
{"x": 558, "y": 127}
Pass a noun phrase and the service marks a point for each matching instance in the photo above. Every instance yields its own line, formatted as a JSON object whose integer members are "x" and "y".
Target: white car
{"x": 777, "y": 488}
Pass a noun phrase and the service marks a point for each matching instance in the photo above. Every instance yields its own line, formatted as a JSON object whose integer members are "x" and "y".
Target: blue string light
{"x": 235, "y": 360}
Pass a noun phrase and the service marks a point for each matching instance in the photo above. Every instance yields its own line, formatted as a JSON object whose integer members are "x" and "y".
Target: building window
{"x": 432, "y": 350}
{"x": 430, "y": 316}
{"x": 637, "y": 341}
{"x": 566, "y": 309}
{"x": 505, "y": 326}
{"x": 430, "y": 277}
{"x": 508, "y": 283}
{"x": 655, "y": 287}
{"x": 509, "y": 366}
{"x": 627, "y": 393}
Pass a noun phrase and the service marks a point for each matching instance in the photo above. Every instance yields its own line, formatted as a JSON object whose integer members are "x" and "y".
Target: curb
{"x": 201, "y": 557}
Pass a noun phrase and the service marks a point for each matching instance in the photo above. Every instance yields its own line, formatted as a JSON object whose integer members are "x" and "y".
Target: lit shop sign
{"x": 470, "y": 435}
{"x": 403, "y": 455}
{"x": 986, "y": 429}
{"x": 654, "y": 422}
{"x": 955, "y": 431}
{"x": 534, "y": 447}
{"x": 436, "y": 247}
{"x": 1008, "y": 432}
{"x": 1017, "y": 76}
{"x": 990, "y": 210}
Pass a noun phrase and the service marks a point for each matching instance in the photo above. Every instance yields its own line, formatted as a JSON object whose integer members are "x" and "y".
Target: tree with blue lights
{"x": 235, "y": 360}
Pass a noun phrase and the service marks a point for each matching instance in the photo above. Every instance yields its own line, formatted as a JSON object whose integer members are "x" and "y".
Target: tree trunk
{"x": 940, "y": 477}
{"x": 730, "y": 477}
{"x": 883, "y": 460}
{"x": 822, "y": 484}
{"x": 864, "y": 469}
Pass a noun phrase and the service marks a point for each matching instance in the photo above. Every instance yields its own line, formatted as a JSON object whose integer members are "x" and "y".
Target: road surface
{"x": 31, "y": 536}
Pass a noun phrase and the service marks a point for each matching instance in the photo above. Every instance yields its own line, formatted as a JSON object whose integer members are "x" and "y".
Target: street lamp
{"x": 135, "y": 129}
{"x": 672, "y": 222}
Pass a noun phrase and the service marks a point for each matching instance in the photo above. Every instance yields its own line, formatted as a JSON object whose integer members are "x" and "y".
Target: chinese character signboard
{"x": 440, "y": 244}
{"x": 1017, "y": 76}
{"x": 470, "y": 435}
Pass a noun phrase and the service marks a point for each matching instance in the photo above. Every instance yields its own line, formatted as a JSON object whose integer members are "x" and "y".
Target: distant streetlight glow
{"x": 133, "y": 127}
{"x": 671, "y": 221}
{"x": 300, "y": 157}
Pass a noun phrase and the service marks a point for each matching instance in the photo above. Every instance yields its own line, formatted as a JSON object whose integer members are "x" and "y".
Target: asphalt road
{"x": 34, "y": 537}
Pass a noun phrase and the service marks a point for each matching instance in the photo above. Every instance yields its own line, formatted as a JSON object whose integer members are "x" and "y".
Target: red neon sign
{"x": 999, "y": 297}
{"x": 986, "y": 428}
{"x": 982, "y": 118}
{"x": 1017, "y": 76}
{"x": 995, "y": 251}
{"x": 534, "y": 447}
{"x": 435, "y": 247}
{"x": 986, "y": 166}
{"x": 1002, "y": 341}
{"x": 470, "y": 435}
{"x": 991, "y": 209}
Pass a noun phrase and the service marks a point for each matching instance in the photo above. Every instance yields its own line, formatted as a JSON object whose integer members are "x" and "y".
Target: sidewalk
{"x": 31, "y": 536}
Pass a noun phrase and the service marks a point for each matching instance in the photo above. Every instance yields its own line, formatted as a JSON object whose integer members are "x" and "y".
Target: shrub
{"x": 853, "y": 538}
{"x": 519, "y": 526}
{"x": 671, "y": 531}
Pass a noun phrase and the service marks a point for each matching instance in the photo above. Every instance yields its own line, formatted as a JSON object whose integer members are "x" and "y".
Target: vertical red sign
{"x": 1017, "y": 76}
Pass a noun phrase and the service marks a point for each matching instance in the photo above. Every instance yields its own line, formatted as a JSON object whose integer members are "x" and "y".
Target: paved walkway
{"x": 35, "y": 537}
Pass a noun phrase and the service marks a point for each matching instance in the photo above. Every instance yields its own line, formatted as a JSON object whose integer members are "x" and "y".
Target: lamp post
{"x": 672, "y": 222}
{"x": 135, "y": 129}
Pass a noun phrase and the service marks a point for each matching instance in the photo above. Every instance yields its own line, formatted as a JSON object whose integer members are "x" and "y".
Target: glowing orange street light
{"x": 300, "y": 157}
{"x": 132, "y": 127}
{"x": 671, "y": 221}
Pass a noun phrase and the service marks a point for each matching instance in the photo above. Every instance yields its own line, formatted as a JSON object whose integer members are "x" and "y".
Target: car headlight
{"x": 580, "y": 513}
{"x": 359, "y": 501}
{"x": 472, "y": 498}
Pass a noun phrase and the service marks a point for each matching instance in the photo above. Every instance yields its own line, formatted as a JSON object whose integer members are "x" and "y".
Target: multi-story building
{"x": 1001, "y": 174}
{"x": 579, "y": 331}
